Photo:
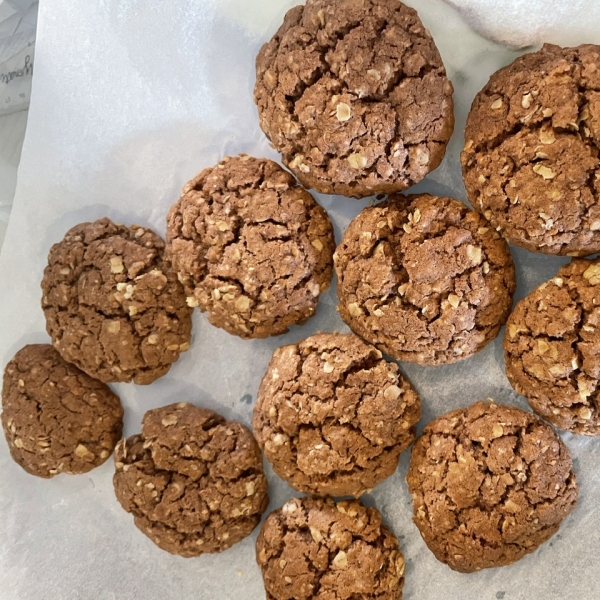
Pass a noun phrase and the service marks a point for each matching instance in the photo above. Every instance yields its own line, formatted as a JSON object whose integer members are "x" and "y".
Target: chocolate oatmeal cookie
{"x": 316, "y": 548}
{"x": 251, "y": 247}
{"x": 354, "y": 95}
{"x": 113, "y": 304}
{"x": 552, "y": 348}
{"x": 333, "y": 416}
{"x": 489, "y": 484}
{"x": 530, "y": 161}
{"x": 57, "y": 419}
{"x": 424, "y": 279}
{"x": 193, "y": 481}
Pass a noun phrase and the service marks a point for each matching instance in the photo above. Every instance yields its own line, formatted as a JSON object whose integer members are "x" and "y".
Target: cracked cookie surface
{"x": 489, "y": 484}
{"x": 552, "y": 348}
{"x": 251, "y": 247}
{"x": 332, "y": 416}
{"x": 113, "y": 304}
{"x": 530, "y": 161}
{"x": 193, "y": 481}
{"x": 317, "y": 548}
{"x": 424, "y": 278}
{"x": 57, "y": 419}
{"x": 354, "y": 95}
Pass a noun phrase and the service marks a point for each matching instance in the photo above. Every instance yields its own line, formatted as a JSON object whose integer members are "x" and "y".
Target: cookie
{"x": 251, "y": 247}
{"x": 489, "y": 484}
{"x": 355, "y": 96}
{"x": 552, "y": 348}
{"x": 193, "y": 481}
{"x": 531, "y": 152}
{"x": 113, "y": 304}
{"x": 424, "y": 279}
{"x": 332, "y": 416}
{"x": 57, "y": 419}
{"x": 317, "y": 548}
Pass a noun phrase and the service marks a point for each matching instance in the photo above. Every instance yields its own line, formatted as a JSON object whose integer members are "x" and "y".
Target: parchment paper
{"x": 130, "y": 99}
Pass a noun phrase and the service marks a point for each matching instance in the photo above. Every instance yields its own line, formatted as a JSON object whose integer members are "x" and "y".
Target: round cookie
{"x": 489, "y": 484}
{"x": 317, "y": 548}
{"x": 251, "y": 247}
{"x": 531, "y": 152}
{"x": 424, "y": 278}
{"x": 193, "y": 481}
{"x": 332, "y": 416}
{"x": 355, "y": 96}
{"x": 552, "y": 348}
{"x": 57, "y": 419}
{"x": 113, "y": 304}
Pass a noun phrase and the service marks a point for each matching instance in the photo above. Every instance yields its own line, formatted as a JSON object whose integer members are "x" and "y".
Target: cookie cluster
{"x": 355, "y": 97}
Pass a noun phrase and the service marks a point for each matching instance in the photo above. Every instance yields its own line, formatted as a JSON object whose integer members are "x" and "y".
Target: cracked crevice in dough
{"x": 251, "y": 247}
{"x": 57, "y": 419}
{"x": 552, "y": 348}
{"x": 530, "y": 161}
{"x": 317, "y": 548}
{"x": 424, "y": 278}
{"x": 489, "y": 484}
{"x": 332, "y": 416}
{"x": 354, "y": 95}
{"x": 113, "y": 304}
{"x": 193, "y": 481}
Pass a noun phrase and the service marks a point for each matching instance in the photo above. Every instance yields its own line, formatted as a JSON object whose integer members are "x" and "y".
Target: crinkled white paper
{"x": 130, "y": 99}
{"x": 521, "y": 23}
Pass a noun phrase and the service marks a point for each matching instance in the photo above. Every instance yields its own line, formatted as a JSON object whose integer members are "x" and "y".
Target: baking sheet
{"x": 130, "y": 99}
